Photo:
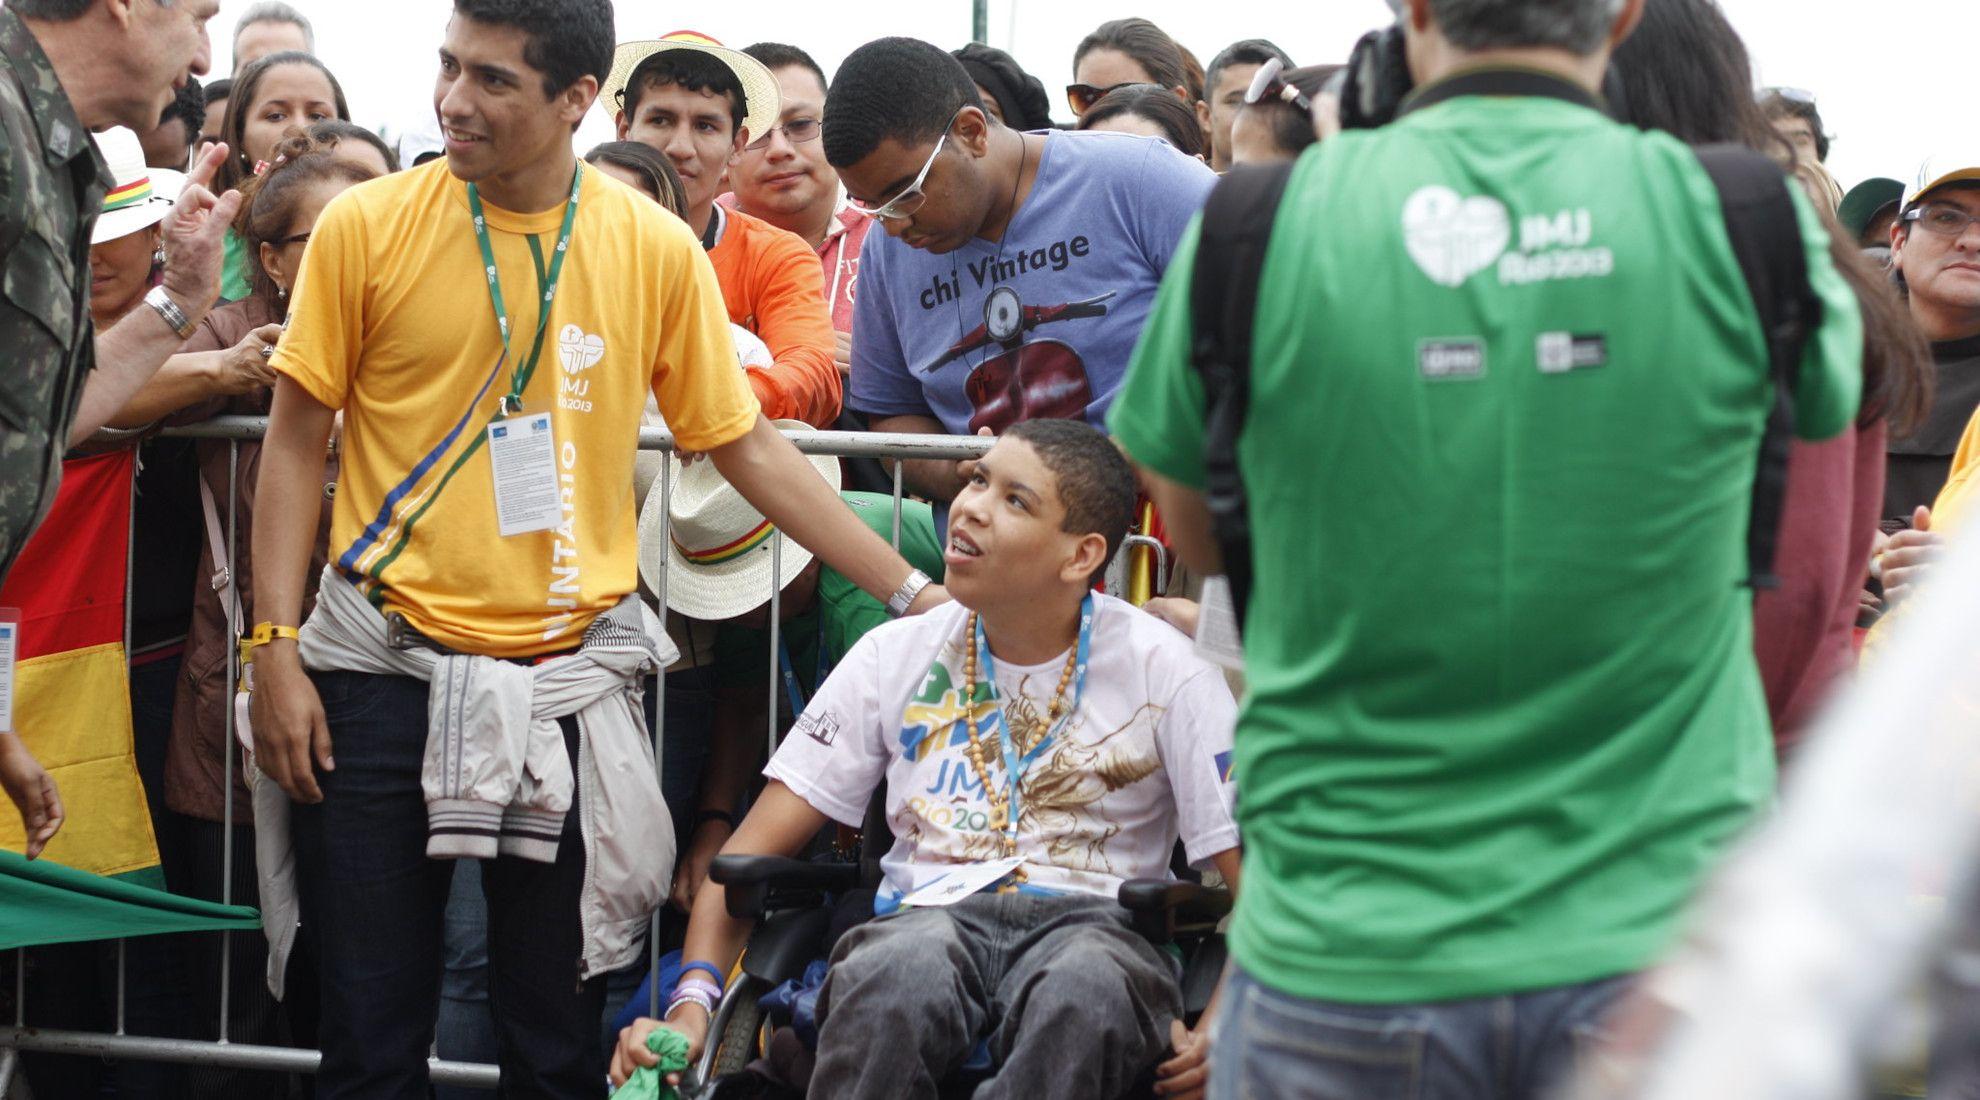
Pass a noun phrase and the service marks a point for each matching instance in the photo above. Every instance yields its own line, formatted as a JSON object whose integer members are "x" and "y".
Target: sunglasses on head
{"x": 1082, "y": 97}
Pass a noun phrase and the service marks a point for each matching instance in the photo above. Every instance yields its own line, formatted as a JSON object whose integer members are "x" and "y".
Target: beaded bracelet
{"x": 702, "y": 985}
{"x": 690, "y": 996}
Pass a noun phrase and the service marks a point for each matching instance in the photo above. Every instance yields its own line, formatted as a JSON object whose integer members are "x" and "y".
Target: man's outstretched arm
{"x": 133, "y": 349}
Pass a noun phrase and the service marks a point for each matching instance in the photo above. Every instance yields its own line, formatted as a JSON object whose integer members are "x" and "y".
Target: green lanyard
{"x": 512, "y": 402}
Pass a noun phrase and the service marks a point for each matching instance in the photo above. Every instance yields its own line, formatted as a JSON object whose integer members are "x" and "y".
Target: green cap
{"x": 1860, "y": 207}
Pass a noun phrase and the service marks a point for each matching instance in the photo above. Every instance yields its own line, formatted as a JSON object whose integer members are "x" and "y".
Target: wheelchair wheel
{"x": 741, "y": 1035}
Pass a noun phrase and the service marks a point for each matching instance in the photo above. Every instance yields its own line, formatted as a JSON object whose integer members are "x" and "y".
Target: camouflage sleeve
{"x": 31, "y": 362}
{"x": 13, "y": 213}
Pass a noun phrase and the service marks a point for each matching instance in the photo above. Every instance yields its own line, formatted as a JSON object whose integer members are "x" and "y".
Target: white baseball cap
{"x": 1941, "y": 169}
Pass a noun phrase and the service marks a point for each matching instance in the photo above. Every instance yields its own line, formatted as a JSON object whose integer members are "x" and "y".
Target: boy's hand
{"x": 688, "y": 1019}
{"x": 1187, "y": 1073}
{"x": 1177, "y": 612}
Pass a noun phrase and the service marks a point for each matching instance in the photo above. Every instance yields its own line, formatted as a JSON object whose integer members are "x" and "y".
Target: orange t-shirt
{"x": 772, "y": 286}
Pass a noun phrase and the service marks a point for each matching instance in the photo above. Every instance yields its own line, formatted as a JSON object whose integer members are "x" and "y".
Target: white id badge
{"x": 10, "y": 648}
{"x": 523, "y": 454}
{"x": 1217, "y": 639}
{"x": 960, "y": 883}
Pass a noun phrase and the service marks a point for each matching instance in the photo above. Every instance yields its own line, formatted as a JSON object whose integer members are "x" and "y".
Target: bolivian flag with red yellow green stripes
{"x": 72, "y": 702}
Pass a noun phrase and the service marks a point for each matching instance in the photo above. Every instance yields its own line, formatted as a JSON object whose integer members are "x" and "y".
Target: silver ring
{"x": 268, "y": 351}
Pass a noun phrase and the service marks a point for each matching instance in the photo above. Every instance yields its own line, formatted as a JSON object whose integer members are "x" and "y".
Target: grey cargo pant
{"x": 1073, "y": 1001}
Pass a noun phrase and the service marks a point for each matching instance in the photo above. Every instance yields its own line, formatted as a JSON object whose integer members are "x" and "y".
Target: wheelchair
{"x": 792, "y": 902}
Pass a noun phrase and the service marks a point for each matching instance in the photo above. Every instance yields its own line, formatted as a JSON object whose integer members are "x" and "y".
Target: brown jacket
{"x": 194, "y": 766}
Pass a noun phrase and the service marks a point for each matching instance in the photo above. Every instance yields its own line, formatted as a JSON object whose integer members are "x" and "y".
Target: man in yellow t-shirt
{"x": 485, "y": 507}
{"x": 1907, "y": 559}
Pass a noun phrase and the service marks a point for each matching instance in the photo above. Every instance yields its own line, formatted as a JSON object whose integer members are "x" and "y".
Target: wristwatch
{"x": 175, "y": 318}
{"x": 903, "y": 597}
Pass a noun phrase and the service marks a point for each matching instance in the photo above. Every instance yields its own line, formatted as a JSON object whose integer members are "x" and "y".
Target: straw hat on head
{"x": 716, "y": 549}
{"x": 762, "y": 102}
{"x": 139, "y": 197}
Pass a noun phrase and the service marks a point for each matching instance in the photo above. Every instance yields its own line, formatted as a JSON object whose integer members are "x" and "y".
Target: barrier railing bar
{"x": 196, "y": 1052}
{"x": 840, "y": 444}
{"x": 227, "y": 745}
{"x": 1159, "y": 576}
{"x": 130, "y": 575}
{"x": 130, "y": 641}
{"x": 659, "y": 742}
{"x": 224, "y": 1052}
{"x": 776, "y": 654}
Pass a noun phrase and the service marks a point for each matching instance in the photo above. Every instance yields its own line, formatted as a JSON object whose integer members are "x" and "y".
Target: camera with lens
{"x": 1372, "y": 86}
{"x": 1376, "y": 80}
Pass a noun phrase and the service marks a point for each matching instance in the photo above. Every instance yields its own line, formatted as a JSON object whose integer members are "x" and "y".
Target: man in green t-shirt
{"x": 719, "y": 568}
{"x": 1507, "y": 394}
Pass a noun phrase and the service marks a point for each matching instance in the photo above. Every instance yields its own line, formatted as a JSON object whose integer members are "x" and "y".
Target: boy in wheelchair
{"x": 1040, "y": 744}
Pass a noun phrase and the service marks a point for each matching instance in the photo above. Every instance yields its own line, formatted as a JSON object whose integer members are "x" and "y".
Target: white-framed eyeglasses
{"x": 1942, "y": 218}
{"x": 911, "y": 199}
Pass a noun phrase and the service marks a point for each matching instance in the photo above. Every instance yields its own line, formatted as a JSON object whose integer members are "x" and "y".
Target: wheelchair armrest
{"x": 1161, "y": 906}
{"x": 749, "y": 880}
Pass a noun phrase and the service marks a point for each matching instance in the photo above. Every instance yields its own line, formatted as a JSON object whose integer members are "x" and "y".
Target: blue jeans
{"x": 467, "y": 1025}
{"x": 376, "y": 903}
{"x": 1514, "y": 1047}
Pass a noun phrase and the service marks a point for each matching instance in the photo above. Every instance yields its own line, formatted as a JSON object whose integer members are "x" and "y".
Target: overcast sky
{"x": 1858, "y": 56}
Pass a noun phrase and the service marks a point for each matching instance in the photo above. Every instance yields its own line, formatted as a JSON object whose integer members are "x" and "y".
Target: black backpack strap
{"x": 1766, "y": 238}
{"x": 1230, "y": 257}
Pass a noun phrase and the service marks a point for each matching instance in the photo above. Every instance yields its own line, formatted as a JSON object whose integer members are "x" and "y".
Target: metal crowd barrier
{"x": 119, "y": 1045}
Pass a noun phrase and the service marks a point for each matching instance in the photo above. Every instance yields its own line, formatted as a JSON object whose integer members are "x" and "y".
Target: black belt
{"x": 400, "y": 634}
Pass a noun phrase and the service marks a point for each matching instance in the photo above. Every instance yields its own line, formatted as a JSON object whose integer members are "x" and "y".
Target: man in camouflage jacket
{"x": 67, "y": 68}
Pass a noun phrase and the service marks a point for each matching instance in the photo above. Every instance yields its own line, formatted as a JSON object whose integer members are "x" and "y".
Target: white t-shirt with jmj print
{"x": 1144, "y": 759}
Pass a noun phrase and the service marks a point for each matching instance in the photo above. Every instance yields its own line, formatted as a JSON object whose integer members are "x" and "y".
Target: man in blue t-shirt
{"x": 1017, "y": 269}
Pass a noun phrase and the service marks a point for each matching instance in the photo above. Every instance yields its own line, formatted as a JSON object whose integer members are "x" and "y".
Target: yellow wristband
{"x": 262, "y": 634}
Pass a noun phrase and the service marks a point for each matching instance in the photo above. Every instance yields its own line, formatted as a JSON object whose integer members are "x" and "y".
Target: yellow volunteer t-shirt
{"x": 392, "y": 324}
{"x": 1962, "y": 488}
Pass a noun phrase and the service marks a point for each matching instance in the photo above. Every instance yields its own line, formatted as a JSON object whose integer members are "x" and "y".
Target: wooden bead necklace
{"x": 1000, "y": 803}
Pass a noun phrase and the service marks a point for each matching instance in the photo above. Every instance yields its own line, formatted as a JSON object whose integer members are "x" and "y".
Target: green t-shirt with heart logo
{"x": 1508, "y": 393}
